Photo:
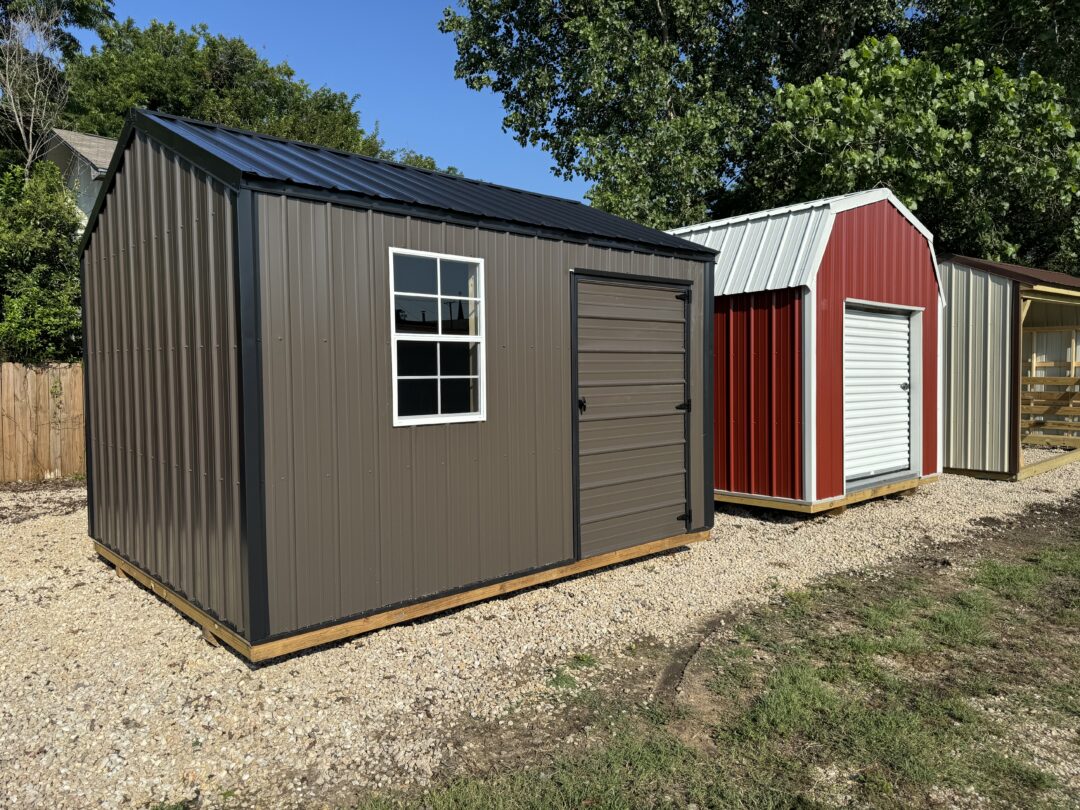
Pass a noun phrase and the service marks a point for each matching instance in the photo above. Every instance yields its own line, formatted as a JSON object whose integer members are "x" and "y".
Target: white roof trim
{"x": 742, "y": 274}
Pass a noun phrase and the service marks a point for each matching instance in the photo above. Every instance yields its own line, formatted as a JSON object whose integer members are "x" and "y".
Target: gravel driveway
{"x": 109, "y": 698}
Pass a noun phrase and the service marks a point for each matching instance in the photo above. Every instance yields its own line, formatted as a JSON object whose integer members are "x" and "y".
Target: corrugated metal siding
{"x": 631, "y": 367}
{"x": 758, "y": 371}
{"x": 980, "y": 385}
{"x": 768, "y": 252}
{"x": 162, "y": 377}
{"x": 874, "y": 254}
{"x": 361, "y": 515}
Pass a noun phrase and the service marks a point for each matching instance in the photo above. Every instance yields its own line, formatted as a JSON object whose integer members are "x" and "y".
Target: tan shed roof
{"x": 95, "y": 149}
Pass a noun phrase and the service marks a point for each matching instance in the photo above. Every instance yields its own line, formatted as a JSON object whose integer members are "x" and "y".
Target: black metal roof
{"x": 245, "y": 159}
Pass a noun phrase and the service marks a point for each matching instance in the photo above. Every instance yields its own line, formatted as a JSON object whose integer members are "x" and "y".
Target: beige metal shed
{"x": 1012, "y": 374}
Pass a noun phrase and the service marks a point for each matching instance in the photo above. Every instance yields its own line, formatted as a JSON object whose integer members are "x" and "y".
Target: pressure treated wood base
{"x": 268, "y": 650}
{"x": 1049, "y": 464}
{"x": 210, "y": 626}
{"x": 1029, "y": 471}
{"x": 833, "y": 506}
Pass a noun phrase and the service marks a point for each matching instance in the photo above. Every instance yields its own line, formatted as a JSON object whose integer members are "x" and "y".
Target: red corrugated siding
{"x": 758, "y": 365}
{"x": 874, "y": 254}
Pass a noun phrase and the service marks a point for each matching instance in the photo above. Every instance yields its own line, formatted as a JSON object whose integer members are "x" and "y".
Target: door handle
{"x": 905, "y": 386}
{"x": 582, "y": 404}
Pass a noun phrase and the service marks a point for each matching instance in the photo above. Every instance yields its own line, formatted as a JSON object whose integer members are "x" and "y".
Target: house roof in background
{"x": 245, "y": 159}
{"x": 94, "y": 149}
{"x": 782, "y": 247}
{"x": 1027, "y": 275}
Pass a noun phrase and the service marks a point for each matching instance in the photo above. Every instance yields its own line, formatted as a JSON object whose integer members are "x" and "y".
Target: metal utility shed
{"x": 827, "y": 317}
{"x": 328, "y": 393}
{"x": 1012, "y": 372}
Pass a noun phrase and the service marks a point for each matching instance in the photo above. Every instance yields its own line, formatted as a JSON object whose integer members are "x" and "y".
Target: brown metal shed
{"x": 327, "y": 393}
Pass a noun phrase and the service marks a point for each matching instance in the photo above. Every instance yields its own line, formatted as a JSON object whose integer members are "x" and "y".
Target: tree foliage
{"x": 682, "y": 110}
{"x": 214, "y": 78}
{"x": 65, "y": 16}
{"x": 650, "y": 101}
{"x": 1019, "y": 36}
{"x": 39, "y": 267}
{"x": 33, "y": 91}
{"x": 989, "y": 162}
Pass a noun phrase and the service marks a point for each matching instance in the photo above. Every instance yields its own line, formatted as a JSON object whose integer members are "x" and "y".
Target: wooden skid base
{"x": 1045, "y": 466}
{"x": 1049, "y": 464}
{"x": 268, "y": 650}
{"x": 986, "y": 475}
{"x": 210, "y": 626}
{"x": 833, "y": 506}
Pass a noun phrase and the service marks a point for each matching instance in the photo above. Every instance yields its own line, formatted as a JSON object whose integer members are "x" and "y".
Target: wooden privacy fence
{"x": 41, "y": 422}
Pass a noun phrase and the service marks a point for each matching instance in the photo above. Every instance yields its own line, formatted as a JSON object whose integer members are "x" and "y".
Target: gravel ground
{"x": 110, "y": 698}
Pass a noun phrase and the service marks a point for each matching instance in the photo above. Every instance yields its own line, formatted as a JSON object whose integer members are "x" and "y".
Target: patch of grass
{"x": 858, "y": 693}
{"x": 1011, "y": 581}
{"x": 562, "y": 680}
{"x": 583, "y": 660}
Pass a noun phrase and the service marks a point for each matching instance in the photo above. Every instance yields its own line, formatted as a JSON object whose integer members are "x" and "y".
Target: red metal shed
{"x": 827, "y": 352}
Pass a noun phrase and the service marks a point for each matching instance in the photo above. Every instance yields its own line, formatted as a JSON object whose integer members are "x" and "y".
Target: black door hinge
{"x": 683, "y": 406}
{"x": 683, "y": 296}
{"x": 686, "y": 517}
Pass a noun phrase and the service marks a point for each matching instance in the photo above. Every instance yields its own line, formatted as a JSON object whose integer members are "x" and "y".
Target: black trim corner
{"x": 708, "y": 395}
{"x": 252, "y": 489}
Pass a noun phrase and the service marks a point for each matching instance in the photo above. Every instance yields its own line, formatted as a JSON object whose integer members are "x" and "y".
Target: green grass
{"x": 858, "y": 693}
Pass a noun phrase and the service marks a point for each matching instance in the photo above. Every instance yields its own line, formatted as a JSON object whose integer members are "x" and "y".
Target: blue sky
{"x": 394, "y": 56}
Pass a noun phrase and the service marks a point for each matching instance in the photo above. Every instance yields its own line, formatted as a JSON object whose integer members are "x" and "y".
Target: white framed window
{"x": 437, "y": 346}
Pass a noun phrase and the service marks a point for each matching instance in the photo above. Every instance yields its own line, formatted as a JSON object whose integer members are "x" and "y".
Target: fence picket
{"x": 41, "y": 422}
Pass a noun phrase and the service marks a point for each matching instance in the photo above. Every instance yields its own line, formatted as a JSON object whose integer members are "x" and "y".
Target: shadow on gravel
{"x": 28, "y": 500}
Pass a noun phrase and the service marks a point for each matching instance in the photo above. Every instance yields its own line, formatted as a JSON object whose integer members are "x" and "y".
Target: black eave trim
{"x": 252, "y": 490}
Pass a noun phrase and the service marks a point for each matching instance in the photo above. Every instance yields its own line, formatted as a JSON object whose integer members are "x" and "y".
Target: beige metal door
{"x": 631, "y": 412}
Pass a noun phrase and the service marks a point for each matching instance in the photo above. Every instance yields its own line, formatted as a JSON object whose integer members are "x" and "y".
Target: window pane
{"x": 459, "y": 396}
{"x": 459, "y": 359}
{"x": 416, "y": 314}
{"x": 459, "y": 317}
{"x": 417, "y": 398}
{"x": 459, "y": 278}
{"x": 414, "y": 274}
{"x": 416, "y": 359}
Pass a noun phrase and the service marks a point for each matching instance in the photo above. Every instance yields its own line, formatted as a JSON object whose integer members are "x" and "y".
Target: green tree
{"x": 40, "y": 312}
{"x": 67, "y": 15}
{"x": 214, "y": 78}
{"x": 1018, "y": 35}
{"x": 651, "y": 101}
{"x": 990, "y": 163}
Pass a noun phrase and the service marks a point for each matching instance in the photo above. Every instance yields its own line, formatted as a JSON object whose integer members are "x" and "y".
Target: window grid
{"x": 439, "y": 338}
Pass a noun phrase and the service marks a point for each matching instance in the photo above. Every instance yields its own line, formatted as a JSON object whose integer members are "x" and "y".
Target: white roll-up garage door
{"x": 877, "y": 393}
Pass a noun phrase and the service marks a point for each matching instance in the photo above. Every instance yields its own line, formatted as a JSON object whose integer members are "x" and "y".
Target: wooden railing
{"x": 41, "y": 422}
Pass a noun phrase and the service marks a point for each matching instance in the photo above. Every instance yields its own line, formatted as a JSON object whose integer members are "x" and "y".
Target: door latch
{"x": 582, "y": 404}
